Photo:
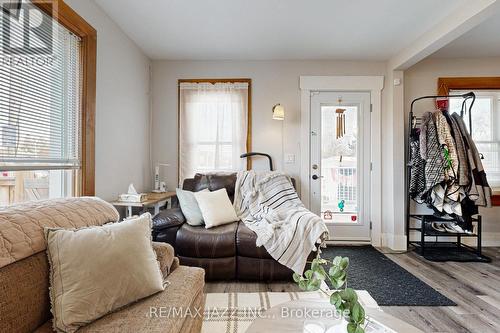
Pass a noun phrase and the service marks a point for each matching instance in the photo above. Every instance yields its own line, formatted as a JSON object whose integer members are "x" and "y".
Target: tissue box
{"x": 140, "y": 197}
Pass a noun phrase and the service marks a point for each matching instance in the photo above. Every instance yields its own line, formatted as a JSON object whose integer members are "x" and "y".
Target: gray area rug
{"x": 387, "y": 282}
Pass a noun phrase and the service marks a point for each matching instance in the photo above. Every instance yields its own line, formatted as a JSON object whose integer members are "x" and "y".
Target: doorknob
{"x": 316, "y": 177}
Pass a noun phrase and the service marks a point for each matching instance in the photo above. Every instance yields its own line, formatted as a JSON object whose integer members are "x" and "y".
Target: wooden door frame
{"x": 68, "y": 18}
{"x": 214, "y": 81}
{"x": 445, "y": 84}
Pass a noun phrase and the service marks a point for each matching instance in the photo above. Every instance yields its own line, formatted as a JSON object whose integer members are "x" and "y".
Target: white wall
{"x": 272, "y": 82}
{"x": 421, "y": 79}
{"x": 122, "y": 106}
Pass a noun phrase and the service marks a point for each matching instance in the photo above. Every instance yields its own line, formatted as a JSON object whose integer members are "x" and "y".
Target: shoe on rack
{"x": 438, "y": 227}
{"x": 457, "y": 228}
{"x": 449, "y": 228}
{"x": 469, "y": 232}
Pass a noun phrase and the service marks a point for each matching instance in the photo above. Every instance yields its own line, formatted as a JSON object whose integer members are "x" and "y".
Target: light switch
{"x": 290, "y": 159}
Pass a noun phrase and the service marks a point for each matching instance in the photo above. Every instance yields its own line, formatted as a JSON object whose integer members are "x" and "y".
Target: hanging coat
{"x": 463, "y": 162}
{"x": 446, "y": 140}
{"x": 417, "y": 167}
{"x": 431, "y": 153}
{"x": 479, "y": 191}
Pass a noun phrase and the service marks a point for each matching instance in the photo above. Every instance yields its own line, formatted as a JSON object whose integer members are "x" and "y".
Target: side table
{"x": 155, "y": 200}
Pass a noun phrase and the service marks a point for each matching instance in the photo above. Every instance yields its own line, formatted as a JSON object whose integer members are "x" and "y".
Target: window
{"x": 485, "y": 130}
{"x": 47, "y": 98}
{"x": 214, "y": 126}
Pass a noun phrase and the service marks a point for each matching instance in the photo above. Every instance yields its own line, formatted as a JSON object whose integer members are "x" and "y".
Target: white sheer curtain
{"x": 213, "y": 127}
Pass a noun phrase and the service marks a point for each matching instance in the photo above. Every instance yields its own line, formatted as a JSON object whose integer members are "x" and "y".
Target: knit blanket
{"x": 22, "y": 225}
{"x": 269, "y": 205}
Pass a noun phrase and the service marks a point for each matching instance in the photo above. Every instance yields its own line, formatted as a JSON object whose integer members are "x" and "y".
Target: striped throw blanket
{"x": 269, "y": 205}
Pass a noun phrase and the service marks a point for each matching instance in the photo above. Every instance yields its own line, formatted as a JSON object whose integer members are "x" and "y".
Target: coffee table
{"x": 290, "y": 316}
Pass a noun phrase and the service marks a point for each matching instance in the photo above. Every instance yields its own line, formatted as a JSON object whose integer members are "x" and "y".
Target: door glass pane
{"x": 339, "y": 161}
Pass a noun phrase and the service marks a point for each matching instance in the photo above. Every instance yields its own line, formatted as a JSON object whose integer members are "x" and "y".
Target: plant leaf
{"x": 336, "y": 261}
{"x": 315, "y": 265}
{"x": 302, "y": 285}
{"x": 335, "y": 299}
{"x": 349, "y": 295}
{"x": 296, "y": 277}
{"x": 358, "y": 313}
{"x": 335, "y": 271}
{"x": 351, "y": 328}
{"x": 344, "y": 263}
{"x": 359, "y": 329}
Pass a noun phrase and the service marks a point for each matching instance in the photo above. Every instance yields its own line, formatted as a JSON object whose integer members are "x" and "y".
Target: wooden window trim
{"x": 68, "y": 18}
{"x": 445, "y": 84}
{"x": 214, "y": 81}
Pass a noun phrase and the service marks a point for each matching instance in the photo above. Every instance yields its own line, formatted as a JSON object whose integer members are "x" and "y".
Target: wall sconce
{"x": 278, "y": 112}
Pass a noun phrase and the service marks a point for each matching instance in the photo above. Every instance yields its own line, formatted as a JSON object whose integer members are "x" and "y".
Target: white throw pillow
{"x": 216, "y": 208}
{"x": 189, "y": 206}
{"x": 96, "y": 270}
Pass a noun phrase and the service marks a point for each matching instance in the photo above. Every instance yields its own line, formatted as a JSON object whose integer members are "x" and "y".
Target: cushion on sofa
{"x": 216, "y": 269}
{"x": 165, "y": 256}
{"x": 213, "y": 182}
{"x": 189, "y": 206}
{"x": 245, "y": 243}
{"x": 96, "y": 270}
{"x": 216, "y": 208}
{"x": 199, "y": 242}
{"x": 185, "y": 292}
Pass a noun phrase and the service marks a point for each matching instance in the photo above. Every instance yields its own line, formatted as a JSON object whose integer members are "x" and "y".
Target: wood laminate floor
{"x": 475, "y": 287}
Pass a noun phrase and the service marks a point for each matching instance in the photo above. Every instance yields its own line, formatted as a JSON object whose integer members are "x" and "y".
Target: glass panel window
{"x": 485, "y": 130}
{"x": 40, "y": 108}
{"x": 21, "y": 186}
{"x": 213, "y": 127}
{"x": 339, "y": 162}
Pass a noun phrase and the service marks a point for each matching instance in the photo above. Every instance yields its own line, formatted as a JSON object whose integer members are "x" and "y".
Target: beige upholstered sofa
{"x": 24, "y": 274}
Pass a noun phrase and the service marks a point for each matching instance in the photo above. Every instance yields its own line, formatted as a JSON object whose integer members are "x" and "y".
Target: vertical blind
{"x": 40, "y": 106}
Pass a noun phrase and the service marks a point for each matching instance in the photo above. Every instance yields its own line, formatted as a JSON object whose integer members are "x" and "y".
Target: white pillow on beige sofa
{"x": 216, "y": 208}
{"x": 96, "y": 270}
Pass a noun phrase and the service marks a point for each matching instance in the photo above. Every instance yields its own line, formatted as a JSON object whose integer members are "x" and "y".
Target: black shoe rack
{"x": 432, "y": 244}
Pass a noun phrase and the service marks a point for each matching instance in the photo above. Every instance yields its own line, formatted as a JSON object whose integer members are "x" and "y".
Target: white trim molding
{"x": 468, "y": 16}
{"x": 394, "y": 242}
{"x": 372, "y": 84}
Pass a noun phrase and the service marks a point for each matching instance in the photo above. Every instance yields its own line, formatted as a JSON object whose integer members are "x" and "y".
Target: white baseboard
{"x": 394, "y": 242}
{"x": 398, "y": 242}
{"x": 489, "y": 239}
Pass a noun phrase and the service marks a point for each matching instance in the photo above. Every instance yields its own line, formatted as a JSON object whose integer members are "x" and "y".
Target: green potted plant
{"x": 344, "y": 299}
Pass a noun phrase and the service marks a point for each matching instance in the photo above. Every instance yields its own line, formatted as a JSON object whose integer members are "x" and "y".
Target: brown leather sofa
{"x": 226, "y": 252}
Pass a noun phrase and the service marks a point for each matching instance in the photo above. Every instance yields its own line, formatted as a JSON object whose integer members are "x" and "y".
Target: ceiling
{"x": 481, "y": 41}
{"x": 276, "y": 29}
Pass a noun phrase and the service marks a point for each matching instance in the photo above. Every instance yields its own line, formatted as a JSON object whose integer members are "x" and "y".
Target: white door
{"x": 340, "y": 163}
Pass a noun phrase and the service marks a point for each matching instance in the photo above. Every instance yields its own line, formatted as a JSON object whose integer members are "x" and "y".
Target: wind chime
{"x": 340, "y": 123}
{"x": 340, "y": 120}
{"x": 340, "y": 134}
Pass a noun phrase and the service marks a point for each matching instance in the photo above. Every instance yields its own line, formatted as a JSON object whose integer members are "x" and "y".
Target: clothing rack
{"x": 439, "y": 249}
